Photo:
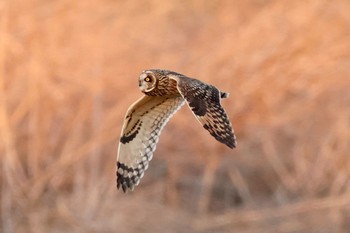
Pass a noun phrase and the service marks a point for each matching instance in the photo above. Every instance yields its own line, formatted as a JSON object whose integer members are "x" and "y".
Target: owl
{"x": 165, "y": 93}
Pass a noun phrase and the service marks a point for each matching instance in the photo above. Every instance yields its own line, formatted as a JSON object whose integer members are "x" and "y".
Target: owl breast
{"x": 164, "y": 87}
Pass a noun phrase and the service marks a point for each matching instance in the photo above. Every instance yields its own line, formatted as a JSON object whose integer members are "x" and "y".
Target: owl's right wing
{"x": 204, "y": 101}
{"x": 142, "y": 126}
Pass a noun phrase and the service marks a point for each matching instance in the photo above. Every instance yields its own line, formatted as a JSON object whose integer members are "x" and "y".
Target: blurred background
{"x": 69, "y": 71}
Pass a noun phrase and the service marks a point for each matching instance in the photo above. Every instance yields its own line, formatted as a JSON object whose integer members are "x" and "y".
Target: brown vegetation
{"x": 68, "y": 72}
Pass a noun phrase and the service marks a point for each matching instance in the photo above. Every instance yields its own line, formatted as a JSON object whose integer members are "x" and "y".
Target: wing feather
{"x": 204, "y": 101}
{"x": 143, "y": 124}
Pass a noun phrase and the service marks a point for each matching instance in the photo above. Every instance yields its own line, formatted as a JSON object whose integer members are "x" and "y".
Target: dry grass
{"x": 68, "y": 72}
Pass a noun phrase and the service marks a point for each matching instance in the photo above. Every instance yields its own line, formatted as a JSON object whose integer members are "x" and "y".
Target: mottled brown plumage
{"x": 165, "y": 92}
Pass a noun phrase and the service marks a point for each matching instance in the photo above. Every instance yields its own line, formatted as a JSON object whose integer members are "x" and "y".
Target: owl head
{"x": 147, "y": 81}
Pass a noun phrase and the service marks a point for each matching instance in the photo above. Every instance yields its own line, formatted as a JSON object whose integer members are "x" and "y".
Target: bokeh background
{"x": 69, "y": 71}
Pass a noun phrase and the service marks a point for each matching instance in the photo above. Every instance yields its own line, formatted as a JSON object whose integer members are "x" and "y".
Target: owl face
{"x": 147, "y": 81}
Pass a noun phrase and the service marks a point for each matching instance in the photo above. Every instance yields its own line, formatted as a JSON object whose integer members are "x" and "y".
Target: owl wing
{"x": 204, "y": 101}
{"x": 142, "y": 126}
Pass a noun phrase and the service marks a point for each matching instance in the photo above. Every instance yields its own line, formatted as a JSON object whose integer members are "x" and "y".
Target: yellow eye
{"x": 148, "y": 79}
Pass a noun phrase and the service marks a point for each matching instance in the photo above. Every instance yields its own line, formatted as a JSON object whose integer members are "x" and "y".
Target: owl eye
{"x": 147, "y": 79}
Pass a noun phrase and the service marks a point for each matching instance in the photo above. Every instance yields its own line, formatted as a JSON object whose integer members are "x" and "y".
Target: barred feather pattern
{"x": 204, "y": 101}
{"x": 144, "y": 123}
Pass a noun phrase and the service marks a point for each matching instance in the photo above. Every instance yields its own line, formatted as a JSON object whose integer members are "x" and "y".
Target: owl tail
{"x": 224, "y": 95}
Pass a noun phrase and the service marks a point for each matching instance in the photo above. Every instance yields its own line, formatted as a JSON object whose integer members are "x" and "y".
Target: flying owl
{"x": 165, "y": 93}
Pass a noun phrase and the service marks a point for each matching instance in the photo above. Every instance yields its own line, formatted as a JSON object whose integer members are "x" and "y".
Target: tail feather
{"x": 224, "y": 95}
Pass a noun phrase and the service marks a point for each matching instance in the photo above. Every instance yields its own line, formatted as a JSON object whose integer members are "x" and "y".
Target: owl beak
{"x": 142, "y": 76}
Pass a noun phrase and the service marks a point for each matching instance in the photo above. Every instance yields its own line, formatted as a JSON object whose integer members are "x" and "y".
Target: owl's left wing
{"x": 204, "y": 101}
{"x": 142, "y": 126}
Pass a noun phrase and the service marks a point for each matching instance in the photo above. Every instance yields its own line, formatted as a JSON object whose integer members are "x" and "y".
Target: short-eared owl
{"x": 165, "y": 93}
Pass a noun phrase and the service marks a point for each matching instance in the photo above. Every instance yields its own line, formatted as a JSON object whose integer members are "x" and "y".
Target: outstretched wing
{"x": 204, "y": 101}
{"x": 142, "y": 126}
